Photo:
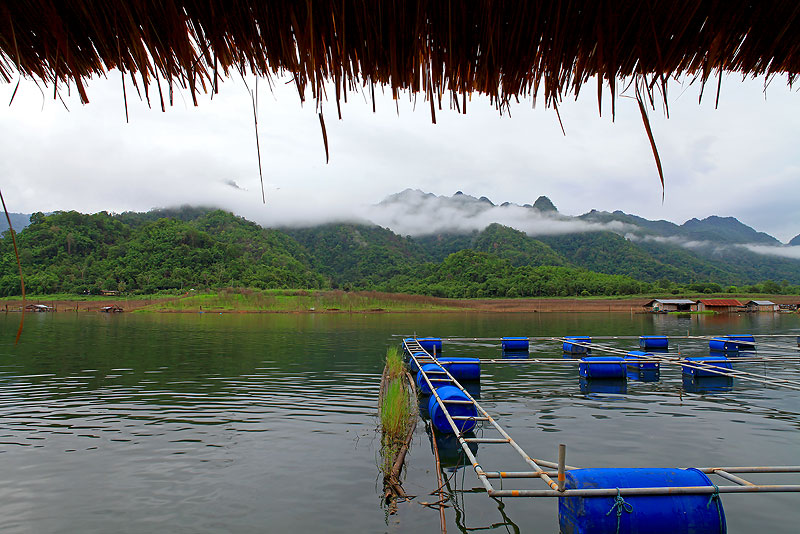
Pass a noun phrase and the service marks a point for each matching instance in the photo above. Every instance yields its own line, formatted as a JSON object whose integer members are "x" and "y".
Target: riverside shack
{"x": 670, "y": 305}
{"x": 720, "y": 305}
{"x": 761, "y": 306}
{"x": 38, "y": 308}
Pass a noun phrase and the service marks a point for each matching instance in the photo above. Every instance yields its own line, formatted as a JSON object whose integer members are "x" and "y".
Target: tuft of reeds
{"x": 394, "y": 362}
{"x": 397, "y": 422}
{"x": 395, "y": 415}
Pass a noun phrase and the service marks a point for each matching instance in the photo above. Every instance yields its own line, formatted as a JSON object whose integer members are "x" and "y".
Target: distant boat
{"x": 111, "y": 309}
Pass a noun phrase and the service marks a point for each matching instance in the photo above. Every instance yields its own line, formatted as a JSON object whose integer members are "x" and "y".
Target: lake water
{"x": 266, "y": 423}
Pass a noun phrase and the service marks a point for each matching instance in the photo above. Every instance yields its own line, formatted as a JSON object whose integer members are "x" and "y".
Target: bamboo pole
{"x": 442, "y": 520}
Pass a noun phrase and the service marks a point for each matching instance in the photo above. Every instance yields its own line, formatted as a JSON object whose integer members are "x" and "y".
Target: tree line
{"x": 192, "y": 248}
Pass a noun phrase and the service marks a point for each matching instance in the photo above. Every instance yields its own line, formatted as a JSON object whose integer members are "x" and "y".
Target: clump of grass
{"x": 394, "y": 362}
{"x": 396, "y": 409}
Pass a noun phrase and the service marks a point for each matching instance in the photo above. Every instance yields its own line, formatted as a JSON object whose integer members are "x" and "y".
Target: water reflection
{"x": 235, "y": 423}
{"x": 451, "y": 455}
{"x": 603, "y": 385}
{"x": 707, "y": 384}
{"x": 515, "y": 354}
{"x": 643, "y": 375}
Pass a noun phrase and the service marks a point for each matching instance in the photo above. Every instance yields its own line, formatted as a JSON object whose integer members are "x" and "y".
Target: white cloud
{"x": 432, "y": 214}
{"x": 792, "y": 252}
{"x": 739, "y": 160}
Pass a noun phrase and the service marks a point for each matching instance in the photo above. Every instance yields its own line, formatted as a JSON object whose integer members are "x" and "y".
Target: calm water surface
{"x": 266, "y": 423}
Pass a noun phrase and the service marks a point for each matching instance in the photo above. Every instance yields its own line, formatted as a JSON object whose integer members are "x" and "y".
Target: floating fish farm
{"x": 614, "y": 499}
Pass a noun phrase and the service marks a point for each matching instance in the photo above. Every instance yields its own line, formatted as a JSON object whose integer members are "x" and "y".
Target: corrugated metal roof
{"x": 674, "y": 301}
{"x": 721, "y": 302}
{"x": 761, "y": 303}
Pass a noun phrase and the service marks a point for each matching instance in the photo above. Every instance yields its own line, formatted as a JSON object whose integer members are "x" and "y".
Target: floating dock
{"x": 455, "y": 412}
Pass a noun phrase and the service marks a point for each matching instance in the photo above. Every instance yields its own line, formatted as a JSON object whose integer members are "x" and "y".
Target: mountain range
{"x": 544, "y": 218}
{"x": 414, "y": 242}
{"x": 719, "y": 249}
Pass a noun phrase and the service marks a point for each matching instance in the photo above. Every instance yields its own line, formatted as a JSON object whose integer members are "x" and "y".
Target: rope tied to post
{"x": 620, "y": 505}
{"x": 717, "y": 499}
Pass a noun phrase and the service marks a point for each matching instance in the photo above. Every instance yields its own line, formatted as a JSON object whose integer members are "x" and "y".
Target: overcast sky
{"x": 740, "y": 160}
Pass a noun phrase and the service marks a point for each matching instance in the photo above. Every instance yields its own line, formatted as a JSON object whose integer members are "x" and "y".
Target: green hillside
{"x": 516, "y": 247}
{"x": 69, "y": 252}
{"x": 175, "y": 250}
{"x": 357, "y": 255}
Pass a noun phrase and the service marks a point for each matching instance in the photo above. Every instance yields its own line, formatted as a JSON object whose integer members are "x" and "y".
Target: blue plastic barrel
{"x": 731, "y": 344}
{"x": 602, "y": 367}
{"x": 569, "y": 346}
{"x": 463, "y": 368}
{"x": 422, "y": 357}
{"x": 719, "y": 364}
{"x": 431, "y": 344}
{"x": 653, "y": 342}
{"x": 645, "y": 514}
{"x": 721, "y": 345}
{"x": 515, "y": 344}
{"x": 438, "y": 417}
{"x": 742, "y": 337}
{"x": 435, "y": 374}
{"x": 635, "y": 357}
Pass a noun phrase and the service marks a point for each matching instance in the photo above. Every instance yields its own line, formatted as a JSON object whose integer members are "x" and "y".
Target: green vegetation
{"x": 74, "y": 253}
{"x": 470, "y": 274}
{"x": 248, "y": 300}
{"x": 397, "y": 412}
{"x": 394, "y": 362}
{"x": 516, "y": 247}
{"x": 197, "y": 253}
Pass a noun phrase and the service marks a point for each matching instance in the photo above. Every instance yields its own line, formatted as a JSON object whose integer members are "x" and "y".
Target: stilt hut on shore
{"x": 671, "y": 305}
{"x": 38, "y": 308}
{"x": 720, "y": 305}
{"x": 761, "y": 306}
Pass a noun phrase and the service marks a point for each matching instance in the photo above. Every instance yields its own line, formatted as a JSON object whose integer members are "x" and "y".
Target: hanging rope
{"x": 716, "y": 498}
{"x": 619, "y": 506}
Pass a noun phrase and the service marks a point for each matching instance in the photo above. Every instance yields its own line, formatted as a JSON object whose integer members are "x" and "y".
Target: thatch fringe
{"x": 504, "y": 49}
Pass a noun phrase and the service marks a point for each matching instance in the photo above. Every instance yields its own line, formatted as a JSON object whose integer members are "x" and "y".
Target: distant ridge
{"x": 795, "y": 241}
{"x": 189, "y": 247}
{"x": 18, "y": 220}
{"x": 544, "y": 204}
{"x": 713, "y": 229}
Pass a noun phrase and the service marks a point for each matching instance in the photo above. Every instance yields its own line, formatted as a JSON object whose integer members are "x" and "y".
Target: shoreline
{"x": 340, "y": 302}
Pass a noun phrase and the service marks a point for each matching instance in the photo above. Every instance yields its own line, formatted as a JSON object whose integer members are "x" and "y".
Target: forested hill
{"x": 73, "y": 253}
{"x": 192, "y": 247}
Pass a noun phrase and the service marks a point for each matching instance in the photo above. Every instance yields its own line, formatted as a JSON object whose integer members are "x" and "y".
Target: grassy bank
{"x": 245, "y": 300}
{"x": 242, "y": 300}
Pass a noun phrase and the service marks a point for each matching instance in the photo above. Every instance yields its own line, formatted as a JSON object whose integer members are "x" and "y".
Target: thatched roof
{"x": 503, "y": 49}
